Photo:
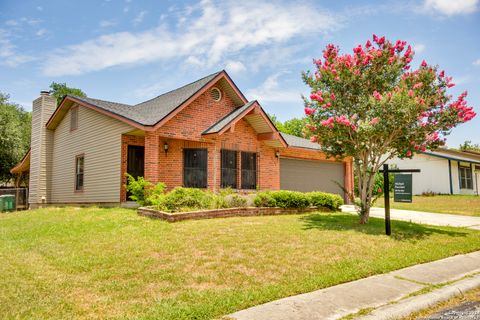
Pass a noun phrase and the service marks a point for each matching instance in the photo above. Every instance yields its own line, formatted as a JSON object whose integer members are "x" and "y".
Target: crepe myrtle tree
{"x": 371, "y": 105}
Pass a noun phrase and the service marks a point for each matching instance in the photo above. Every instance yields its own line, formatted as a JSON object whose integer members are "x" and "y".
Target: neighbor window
{"x": 466, "y": 181}
{"x": 249, "y": 170}
{"x": 229, "y": 169}
{"x": 73, "y": 118}
{"x": 195, "y": 168}
{"x": 79, "y": 171}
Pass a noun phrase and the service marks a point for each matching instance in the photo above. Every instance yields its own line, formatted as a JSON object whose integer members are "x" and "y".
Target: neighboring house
{"x": 205, "y": 135}
{"x": 444, "y": 171}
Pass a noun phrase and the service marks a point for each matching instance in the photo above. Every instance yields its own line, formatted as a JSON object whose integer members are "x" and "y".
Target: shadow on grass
{"x": 401, "y": 230}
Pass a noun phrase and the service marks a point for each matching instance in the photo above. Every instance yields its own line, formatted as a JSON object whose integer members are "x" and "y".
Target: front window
{"x": 466, "y": 181}
{"x": 195, "y": 163}
{"x": 249, "y": 170}
{"x": 229, "y": 169}
{"x": 79, "y": 171}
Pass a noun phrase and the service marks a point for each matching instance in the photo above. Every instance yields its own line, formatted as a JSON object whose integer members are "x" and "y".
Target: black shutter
{"x": 249, "y": 170}
{"x": 229, "y": 169}
{"x": 195, "y": 163}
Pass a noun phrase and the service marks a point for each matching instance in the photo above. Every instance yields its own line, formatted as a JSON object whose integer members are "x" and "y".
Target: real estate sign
{"x": 402, "y": 190}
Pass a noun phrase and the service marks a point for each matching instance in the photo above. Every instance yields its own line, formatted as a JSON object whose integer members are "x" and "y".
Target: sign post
{"x": 404, "y": 191}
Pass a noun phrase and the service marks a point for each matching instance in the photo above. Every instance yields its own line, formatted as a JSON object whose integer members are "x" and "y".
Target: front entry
{"x": 135, "y": 162}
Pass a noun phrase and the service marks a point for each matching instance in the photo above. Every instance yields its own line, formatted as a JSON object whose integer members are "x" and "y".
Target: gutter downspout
{"x": 450, "y": 175}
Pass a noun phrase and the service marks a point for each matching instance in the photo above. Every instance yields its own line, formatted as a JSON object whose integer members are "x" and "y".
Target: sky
{"x": 130, "y": 51}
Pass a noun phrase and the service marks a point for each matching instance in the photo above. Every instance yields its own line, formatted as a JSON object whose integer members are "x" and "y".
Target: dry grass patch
{"x": 110, "y": 263}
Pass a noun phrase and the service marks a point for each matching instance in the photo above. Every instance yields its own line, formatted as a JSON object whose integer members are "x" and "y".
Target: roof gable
{"x": 151, "y": 114}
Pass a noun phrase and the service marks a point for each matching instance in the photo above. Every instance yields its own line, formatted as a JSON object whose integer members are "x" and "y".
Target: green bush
{"x": 138, "y": 189}
{"x": 185, "y": 199}
{"x": 235, "y": 201}
{"x": 327, "y": 200}
{"x": 264, "y": 199}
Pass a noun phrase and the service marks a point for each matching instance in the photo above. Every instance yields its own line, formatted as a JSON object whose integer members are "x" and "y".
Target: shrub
{"x": 138, "y": 188}
{"x": 264, "y": 199}
{"x": 290, "y": 199}
{"x": 327, "y": 200}
{"x": 235, "y": 201}
{"x": 181, "y": 199}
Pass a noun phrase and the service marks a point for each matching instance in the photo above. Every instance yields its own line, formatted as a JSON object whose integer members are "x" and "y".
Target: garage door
{"x": 305, "y": 175}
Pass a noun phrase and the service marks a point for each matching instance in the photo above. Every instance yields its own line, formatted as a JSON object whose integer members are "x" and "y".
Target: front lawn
{"x": 453, "y": 204}
{"x": 110, "y": 263}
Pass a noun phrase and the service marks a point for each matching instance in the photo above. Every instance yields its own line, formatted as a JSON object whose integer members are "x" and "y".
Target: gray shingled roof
{"x": 294, "y": 141}
{"x": 228, "y": 118}
{"x": 152, "y": 111}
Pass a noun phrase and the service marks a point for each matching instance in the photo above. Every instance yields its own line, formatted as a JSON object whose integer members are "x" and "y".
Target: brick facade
{"x": 184, "y": 130}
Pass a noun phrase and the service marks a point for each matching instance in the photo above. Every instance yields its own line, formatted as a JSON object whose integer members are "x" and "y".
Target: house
{"x": 205, "y": 134}
{"x": 444, "y": 171}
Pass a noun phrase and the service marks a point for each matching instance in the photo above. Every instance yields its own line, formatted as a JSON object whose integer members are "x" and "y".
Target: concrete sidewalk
{"x": 373, "y": 292}
{"x": 431, "y": 218}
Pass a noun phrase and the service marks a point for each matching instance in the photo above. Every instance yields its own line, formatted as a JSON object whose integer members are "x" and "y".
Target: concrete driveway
{"x": 431, "y": 218}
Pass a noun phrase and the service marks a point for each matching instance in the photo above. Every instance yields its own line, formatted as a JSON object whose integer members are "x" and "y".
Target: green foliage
{"x": 295, "y": 126}
{"x": 138, "y": 189}
{"x": 15, "y": 129}
{"x": 294, "y": 199}
{"x": 323, "y": 199}
{"x": 469, "y": 146}
{"x": 60, "y": 90}
{"x": 186, "y": 199}
{"x": 264, "y": 199}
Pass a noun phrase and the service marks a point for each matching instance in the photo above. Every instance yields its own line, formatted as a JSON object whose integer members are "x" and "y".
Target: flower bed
{"x": 223, "y": 213}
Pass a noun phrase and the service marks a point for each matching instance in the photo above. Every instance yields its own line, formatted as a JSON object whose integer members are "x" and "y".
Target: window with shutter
{"x": 229, "y": 169}
{"x": 195, "y": 163}
{"x": 249, "y": 170}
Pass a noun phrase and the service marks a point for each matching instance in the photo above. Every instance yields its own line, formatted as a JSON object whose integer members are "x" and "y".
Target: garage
{"x": 309, "y": 175}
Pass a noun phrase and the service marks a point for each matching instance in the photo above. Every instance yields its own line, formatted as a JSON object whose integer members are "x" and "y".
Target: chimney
{"x": 41, "y": 147}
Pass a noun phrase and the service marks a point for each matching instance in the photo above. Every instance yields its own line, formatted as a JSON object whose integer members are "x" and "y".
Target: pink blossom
{"x": 368, "y": 44}
{"x": 441, "y": 74}
{"x": 309, "y": 111}
{"x": 411, "y": 93}
{"x": 375, "y": 38}
{"x": 424, "y": 63}
{"x": 332, "y": 96}
{"x": 374, "y": 121}
{"x": 449, "y": 85}
{"x": 391, "y": 60}
{"x": 409, "y": 153}
{"x": 380, "y": 40}
{"x": 327, "y": 123}
{"x": 417, "y": 85}
{"x": 408, "y": 52}
{"x": 317, "y": 62}
{"x": 377, "y": 95}
{"x": 313, "y": 138}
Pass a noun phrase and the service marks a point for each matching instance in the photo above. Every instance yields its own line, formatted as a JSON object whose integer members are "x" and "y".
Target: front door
{"x": 135, "y": 162}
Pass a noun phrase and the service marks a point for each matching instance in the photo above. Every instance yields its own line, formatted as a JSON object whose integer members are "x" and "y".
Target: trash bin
{"x": 1, "y": 203}
{"x": 9, "y": 203}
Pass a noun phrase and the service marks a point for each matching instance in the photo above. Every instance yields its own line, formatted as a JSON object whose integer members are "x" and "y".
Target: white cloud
{"x": 214, "y": 32}
{"x": 270, "y": 91}
{"x": 235, "y": 67}
{"x": 39, "y": 8}
{"x": 476, "y": 62}
{"x": 8, "y": 53}
{"x": 450, "y": 7}
{"x": 419, "y": 47}
{"x": 41, "y": 32}
{"x": 139, "y": 18}
{"x": 107, "y": 23}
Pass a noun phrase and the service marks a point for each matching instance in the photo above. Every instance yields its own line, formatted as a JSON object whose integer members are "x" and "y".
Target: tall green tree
{"x": 60, "y": 90}
{"x": 372, "y": 107}
{"x": 15, "y": 128}
{"x": 469, "y": 146}
{"x": 295, "y": 126}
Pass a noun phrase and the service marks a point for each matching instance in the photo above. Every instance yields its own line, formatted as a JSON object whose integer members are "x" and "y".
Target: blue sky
{"x": 129, "y": 51}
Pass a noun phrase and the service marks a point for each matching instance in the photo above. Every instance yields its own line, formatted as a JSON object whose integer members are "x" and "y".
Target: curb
{"x": 417, "y": 303}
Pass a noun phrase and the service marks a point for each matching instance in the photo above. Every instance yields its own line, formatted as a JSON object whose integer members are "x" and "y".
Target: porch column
{"x": 152, "y": 144}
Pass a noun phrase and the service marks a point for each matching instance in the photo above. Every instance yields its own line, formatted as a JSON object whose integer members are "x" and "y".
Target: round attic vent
{"x": 216, "y": 94}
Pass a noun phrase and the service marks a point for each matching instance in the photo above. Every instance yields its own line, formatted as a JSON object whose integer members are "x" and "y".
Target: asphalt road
{"x": 469, "y": 310}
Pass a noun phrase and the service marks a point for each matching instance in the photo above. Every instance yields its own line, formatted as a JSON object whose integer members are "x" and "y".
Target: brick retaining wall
{"x": 222, "y": 213}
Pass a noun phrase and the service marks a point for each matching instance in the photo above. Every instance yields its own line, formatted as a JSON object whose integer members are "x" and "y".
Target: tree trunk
{"x": 366, "y": 180}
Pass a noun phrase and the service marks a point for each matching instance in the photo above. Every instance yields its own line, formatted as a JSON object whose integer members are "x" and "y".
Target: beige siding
{"x": 41, "y": 150}
{"x": 98, "y": 137}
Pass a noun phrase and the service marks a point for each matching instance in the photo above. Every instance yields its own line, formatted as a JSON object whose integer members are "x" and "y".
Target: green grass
{"x": 110, "y": 263}
{"x": 453, "y": 204}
